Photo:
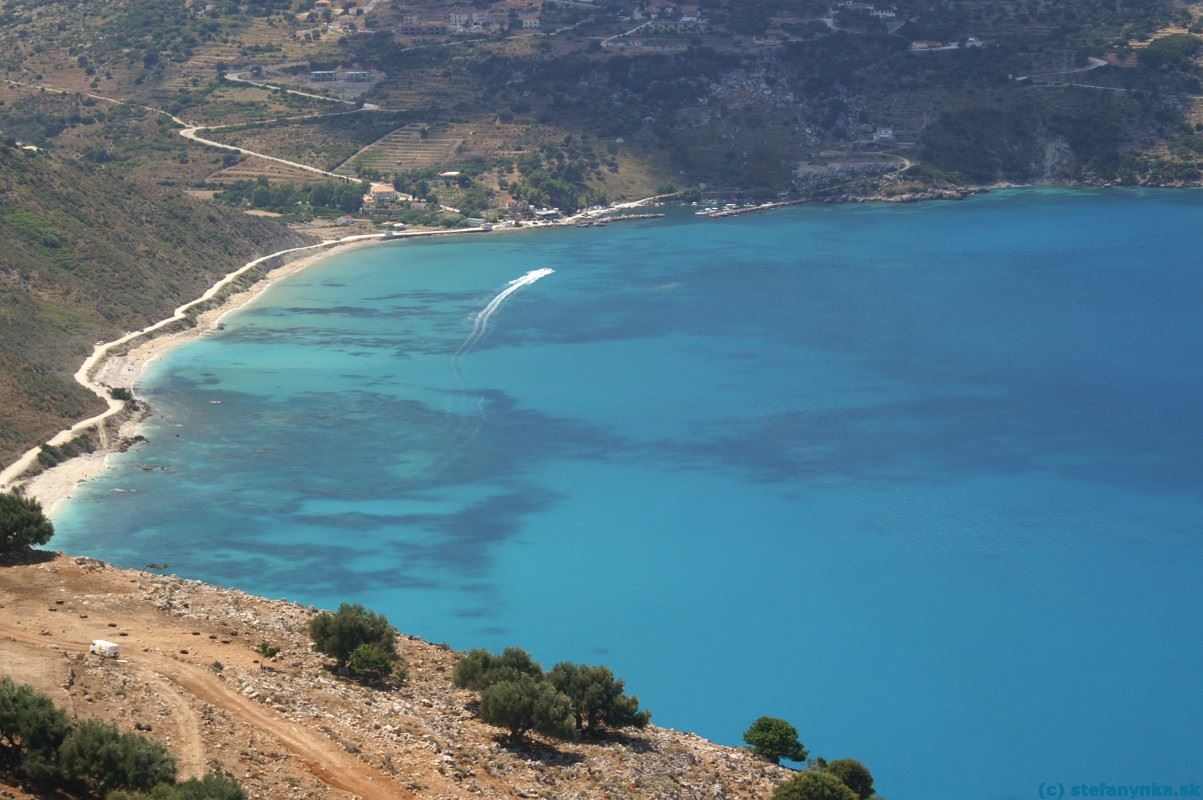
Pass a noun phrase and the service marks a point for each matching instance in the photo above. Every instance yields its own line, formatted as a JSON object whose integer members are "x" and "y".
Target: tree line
{"x": 40, "y": 745}
{"x": 569, "y": 702}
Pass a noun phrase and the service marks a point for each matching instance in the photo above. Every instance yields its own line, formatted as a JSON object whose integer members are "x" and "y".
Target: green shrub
{"x": 105, "y": 759}
{"x": 855, "y": 775}
{"x": 1175, "y": 51}
{"x": 338, "y": 635}
{"x": 371, "y": 661}
{"x": 267, "y": 650}
{"x": 813, "y": 785}
{"x": 214, "y": 786}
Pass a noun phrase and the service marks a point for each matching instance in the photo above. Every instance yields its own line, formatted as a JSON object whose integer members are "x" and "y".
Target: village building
{"x": 380, "y": 194}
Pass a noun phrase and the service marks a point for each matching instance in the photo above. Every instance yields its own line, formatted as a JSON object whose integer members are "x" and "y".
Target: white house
{"x": 379, "y": 193}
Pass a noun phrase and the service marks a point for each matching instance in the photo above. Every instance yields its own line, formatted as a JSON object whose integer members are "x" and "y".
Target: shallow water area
{"x": 923, "y": 480}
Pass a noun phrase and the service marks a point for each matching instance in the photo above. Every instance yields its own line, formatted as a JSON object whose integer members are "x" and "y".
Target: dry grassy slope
{"x": 290, "y": 729}
{"x": 86, "y": 256}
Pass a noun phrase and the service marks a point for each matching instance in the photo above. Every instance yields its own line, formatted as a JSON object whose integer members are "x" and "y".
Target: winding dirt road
{"x": 175, "y": 678}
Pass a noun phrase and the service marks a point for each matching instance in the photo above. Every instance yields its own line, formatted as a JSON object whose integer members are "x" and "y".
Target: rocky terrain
{"x": 190, "y": 675}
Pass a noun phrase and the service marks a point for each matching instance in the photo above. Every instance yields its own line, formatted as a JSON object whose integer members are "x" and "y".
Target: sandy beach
{"x": 53, "y": 487}
{"x": 123, "y": 362}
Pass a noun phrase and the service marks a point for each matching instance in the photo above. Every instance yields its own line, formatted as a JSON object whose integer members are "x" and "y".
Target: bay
{"x": 924, "y": 480}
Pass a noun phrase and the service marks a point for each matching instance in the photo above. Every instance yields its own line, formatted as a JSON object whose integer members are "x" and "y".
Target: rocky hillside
{"x": 286, "y": 727}
{"x": 86, "y": 256}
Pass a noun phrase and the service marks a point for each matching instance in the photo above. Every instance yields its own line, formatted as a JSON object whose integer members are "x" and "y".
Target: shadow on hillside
{"x": 635, "y": 743}
{"x": 537, "y": 751}
{"x": 377, "y": 683}
{"x": 26, "y": 558}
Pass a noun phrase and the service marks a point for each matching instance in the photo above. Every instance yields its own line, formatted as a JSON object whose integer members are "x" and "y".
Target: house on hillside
{"x": 357, "y": 76}
{"x": 323, "y": 75}
{"x": 530, "y": 23}
{"x": 420, "y": 27}
{"x": 380, "y": 194}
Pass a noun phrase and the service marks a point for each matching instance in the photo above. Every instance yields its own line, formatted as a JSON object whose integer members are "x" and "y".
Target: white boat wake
{"x": 480, "y": 324}
{"x": 480, "y": 327}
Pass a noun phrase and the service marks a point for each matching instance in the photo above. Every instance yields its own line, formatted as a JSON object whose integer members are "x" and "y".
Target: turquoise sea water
{"x": 924, "y": 480}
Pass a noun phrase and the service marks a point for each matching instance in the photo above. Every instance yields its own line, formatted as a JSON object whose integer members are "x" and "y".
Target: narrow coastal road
{"x": 191, "y": 133}
{"x": 83, "y": 376}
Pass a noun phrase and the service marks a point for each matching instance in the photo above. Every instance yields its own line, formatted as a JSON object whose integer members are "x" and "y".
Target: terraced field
{"x": 254, "y": 168}
{"x": 404, "y": 149}
{"x": 323, "y": 142}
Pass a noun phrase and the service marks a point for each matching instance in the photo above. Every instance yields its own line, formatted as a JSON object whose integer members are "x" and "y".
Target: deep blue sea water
{"x": 924, "y": 480}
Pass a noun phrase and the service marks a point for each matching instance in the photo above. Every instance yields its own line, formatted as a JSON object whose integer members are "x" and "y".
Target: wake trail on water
{"x": 480, "y": 324}
{"x": 480, "y": 328}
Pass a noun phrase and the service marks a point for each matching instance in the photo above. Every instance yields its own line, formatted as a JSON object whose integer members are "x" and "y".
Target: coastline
{"x": 107, "y": 368}
{"x": 54, "y": 486}
{"x": 121, "y": 363}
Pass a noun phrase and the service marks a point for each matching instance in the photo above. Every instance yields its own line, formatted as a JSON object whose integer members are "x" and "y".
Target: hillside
{"x": 87, "y": 256}
{"x": 286, "y": 727}
{"x": 565, "y": 104}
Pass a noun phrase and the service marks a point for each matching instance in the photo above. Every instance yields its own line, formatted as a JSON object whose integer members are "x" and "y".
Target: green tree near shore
{"x": 479, "y": 669}
{"x": 341, "y": 634}
{"x": 22, "y": 524}
{"x": 597, "y": 698}
{"x": 814, "y": 785}
{"x": 855, "y": 776}
{"x": 774, "y": 739}
{"x": 570, "y": 701}
{"x": 528, "y": 704}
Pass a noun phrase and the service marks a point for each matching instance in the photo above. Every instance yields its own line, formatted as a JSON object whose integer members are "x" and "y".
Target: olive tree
{"x": 527, "y": 704}
{"x": 22, "y": 524}
{"x": 32, "y": 730}
{"x": 774, "y": 739}
{"x": 480, "y": 669}
{"x": 339, "y": 634}
{"x": 597, "y": 698}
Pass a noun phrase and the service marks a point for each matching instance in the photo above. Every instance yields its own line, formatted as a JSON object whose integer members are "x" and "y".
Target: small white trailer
{"x": 102, "y": 648}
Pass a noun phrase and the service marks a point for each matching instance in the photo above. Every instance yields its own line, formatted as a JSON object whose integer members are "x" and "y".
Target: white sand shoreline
{"x": 106, "y": 369}
{"x": 54, "y": 486}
